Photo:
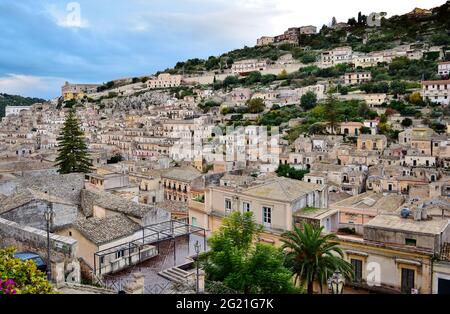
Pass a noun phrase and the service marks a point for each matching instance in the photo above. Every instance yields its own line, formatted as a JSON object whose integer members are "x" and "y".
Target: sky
{"x": 44, "y": 43}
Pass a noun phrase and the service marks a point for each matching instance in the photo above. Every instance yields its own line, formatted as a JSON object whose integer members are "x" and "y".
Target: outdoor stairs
{"x": 176, "y": 274}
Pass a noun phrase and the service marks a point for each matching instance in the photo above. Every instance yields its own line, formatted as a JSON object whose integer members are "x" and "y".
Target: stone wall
{"x": 25, "y": 238}
{"x": 32, "y": 214}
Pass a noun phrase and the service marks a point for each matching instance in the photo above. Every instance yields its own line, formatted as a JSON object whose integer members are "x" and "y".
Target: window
{"x": 120, "y": 253}
{"x": 246, "y": 207}
{"x": 267, "y": 215}
{"x": 227, "y": 205}
{"x": 407, "y": 280}
{"x": 357, "y": 268}
{"x": 194, "y": 221}
{"x": 411, "y": 242}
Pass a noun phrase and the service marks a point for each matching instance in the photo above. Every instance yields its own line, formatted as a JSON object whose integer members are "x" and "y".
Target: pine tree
{"x": 72, "y": 148}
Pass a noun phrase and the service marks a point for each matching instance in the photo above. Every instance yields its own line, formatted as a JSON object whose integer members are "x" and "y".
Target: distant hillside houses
{"x": 77, "y": 91}
{"x": 290, "y": 36}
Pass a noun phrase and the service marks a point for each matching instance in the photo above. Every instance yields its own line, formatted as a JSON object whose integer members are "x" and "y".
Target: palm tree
{"x": 313, "y": 256}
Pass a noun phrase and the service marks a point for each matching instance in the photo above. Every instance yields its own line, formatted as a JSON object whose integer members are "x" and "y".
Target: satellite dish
{"x": 405, "y": 212}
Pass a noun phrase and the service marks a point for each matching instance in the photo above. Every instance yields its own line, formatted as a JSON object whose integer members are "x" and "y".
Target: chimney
{"x": 418, "y": 214}
{"x": 424, "y": 214}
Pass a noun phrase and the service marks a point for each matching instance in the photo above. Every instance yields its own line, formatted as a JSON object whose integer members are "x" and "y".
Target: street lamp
{"x": 48, "y": 215}
{"x": 197, "y": 250}
{"x": 336, "y": 283}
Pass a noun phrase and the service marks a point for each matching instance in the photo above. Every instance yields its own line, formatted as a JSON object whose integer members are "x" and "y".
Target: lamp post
{"x": 197, "y": 250}
{"x": 48, "y": 215}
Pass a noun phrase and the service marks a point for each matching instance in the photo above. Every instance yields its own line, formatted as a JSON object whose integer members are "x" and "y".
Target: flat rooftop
{"x": 396, "y": 223}
{"x": 371, "y": 201}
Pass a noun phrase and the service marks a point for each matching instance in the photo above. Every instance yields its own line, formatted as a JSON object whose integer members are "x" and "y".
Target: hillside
{"x": 14, "y": 100}
{"x": 432, "y": 29}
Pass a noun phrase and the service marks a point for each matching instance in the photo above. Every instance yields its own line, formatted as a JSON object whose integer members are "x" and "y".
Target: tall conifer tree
{"x": 72, "y": 149}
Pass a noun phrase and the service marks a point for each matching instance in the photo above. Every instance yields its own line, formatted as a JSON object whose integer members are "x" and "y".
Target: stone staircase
{"x": 177, "y": 275}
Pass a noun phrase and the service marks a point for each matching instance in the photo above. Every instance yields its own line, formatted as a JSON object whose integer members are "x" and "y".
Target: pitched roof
{"x": 436, "y": 82}
{"x": 182, "y": 174}
{"x": 114, "y": 203}
{"x": 104, "y": 230}
{"x": 27, "y": 195}
{"x": 282, "y": 189}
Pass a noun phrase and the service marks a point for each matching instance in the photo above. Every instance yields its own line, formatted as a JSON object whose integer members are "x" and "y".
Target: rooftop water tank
{"x": 405, "y": 212}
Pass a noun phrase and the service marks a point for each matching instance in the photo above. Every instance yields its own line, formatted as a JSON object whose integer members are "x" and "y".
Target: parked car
{"x": 39, "y": 261}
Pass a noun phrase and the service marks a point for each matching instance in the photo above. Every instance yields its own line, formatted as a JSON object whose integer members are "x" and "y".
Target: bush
{"x": 347, "y": 230}
{"x": 407, "y": 122}
{"x": 23, "y": 277}
{"x": 290, "y": 172}
{"x": 308, "y": 101}
{"x": 256, "y": 105}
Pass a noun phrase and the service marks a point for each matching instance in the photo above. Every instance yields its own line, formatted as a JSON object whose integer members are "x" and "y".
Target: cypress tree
{"x": 72, "y": 148}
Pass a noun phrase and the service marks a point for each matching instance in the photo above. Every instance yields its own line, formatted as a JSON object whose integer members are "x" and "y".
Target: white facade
{"x": 165, "y": 80}
{"x": 15, "y": 110}
{"x": 249, "y": 65}
{"x": 436, "y": 91}
{"x": 444, "y": 68}
{"x": 337, "y": 56}
{"x": 357, "y": 78}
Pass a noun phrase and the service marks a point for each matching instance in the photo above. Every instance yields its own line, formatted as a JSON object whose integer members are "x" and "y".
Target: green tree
{"x": 308, "y": 101}
{"x": 72, "y": 148}
{"x": 253, "y": 77}
{"x": 331, "y": 110}
{"x": 283, "y": 75}
{"x": 398, "y": 87}
{"x": 415, "y": 98}
{"x": 290, "y": 172}
{"x": 235, "y": 260}
{"x": 25, "y": 275}
{"x": 115, "y": 159}
{"x": 256, "y": 105}
{"x": 407, "y": 122}
{"x": 365, "y": 130}
{"x": 313, "y": 256}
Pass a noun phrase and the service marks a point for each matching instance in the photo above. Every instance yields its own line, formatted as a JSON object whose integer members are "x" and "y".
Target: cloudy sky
{"x": 44, "y": 43}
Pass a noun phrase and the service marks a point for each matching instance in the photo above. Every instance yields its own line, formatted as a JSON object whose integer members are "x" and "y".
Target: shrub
{"x": 23, "y": 277}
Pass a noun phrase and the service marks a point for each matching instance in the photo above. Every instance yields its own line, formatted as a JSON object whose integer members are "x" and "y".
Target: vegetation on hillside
{"x": 15, "y": 100}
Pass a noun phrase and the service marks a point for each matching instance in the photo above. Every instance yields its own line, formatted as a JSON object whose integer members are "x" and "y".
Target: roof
{"x": 314, "y": 213}
{"x": 104, "y": 230}
{"x": 436, "y": 82}
{"x": 27, "y": 195}
{"x": 371, "y": 201}
{"x": 182, "y": 174}
{"x": 173, "y": 206}
{"x": 282, "y": 189}
{"x": 114, "y": 203}
{"x": 397, "y": 223}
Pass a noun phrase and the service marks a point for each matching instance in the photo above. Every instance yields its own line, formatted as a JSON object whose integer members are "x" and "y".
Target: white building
{"x": 357, "y": 78}
{"x": 337, "y": 56}
{"x": 436, "y": 91}
{"x": 249, "y": 65}
{"x": 15, "y": 110}
{"x": 265, "y": 40}
{"x": 444, "y": 68}
{"x": 165, "y": 80}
